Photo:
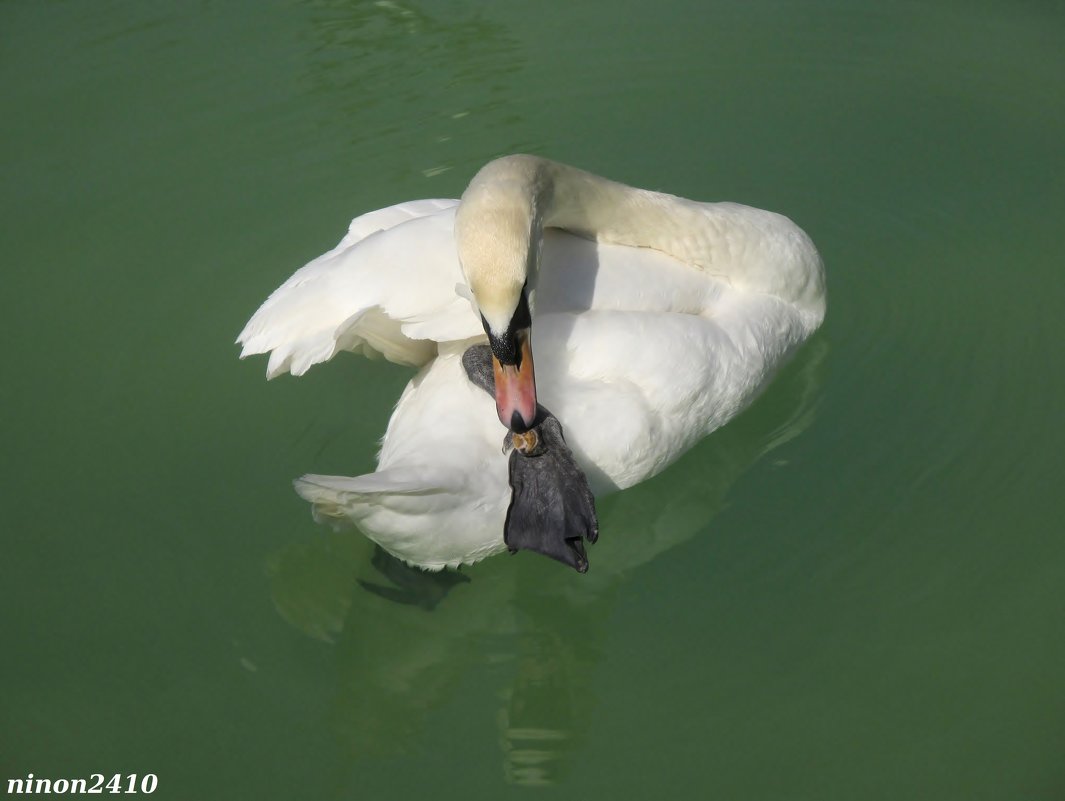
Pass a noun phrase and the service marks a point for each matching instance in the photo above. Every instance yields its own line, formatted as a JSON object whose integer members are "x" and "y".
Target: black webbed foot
{"x": 552, "y": 510}
{"x": 414, "y": 587}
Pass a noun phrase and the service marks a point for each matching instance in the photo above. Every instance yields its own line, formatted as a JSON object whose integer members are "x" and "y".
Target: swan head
{"x": 498, "y": 247}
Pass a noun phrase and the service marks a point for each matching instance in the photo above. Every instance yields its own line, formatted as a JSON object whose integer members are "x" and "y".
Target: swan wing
{"x": 388, "y": 289}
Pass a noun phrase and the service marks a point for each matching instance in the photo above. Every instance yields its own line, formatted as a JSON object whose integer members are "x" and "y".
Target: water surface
{"x": 855, "y": 590}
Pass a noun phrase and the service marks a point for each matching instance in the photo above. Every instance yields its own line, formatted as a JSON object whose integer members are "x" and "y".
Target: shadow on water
{"x": 405, "y": 641}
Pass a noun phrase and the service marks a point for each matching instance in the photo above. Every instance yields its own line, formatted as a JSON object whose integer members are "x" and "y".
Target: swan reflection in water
{"x": 404, "y": 641}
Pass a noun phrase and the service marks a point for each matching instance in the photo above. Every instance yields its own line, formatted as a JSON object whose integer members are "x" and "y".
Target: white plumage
{"x": 645, "y": 340}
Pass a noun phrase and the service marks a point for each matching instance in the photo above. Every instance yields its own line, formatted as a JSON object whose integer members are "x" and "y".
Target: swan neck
{"x": 598, "y": 208}
{"x": 607, "y": 211}
{"x": 500, "y": 222}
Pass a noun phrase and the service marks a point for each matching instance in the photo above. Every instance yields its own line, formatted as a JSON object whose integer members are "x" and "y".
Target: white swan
{"x": 654, "y": 320}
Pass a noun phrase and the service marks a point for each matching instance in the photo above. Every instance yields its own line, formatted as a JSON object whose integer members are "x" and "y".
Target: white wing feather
{"x": 387, "y": 289}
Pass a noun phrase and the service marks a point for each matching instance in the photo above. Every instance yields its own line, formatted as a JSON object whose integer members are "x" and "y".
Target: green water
{"x": 856, "y": 590}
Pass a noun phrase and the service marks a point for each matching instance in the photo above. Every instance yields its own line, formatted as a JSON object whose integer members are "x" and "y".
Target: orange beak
{"x": 516, "y": 389}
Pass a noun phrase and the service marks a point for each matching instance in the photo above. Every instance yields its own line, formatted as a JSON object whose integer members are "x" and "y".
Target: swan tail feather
{"x": 378, "y": 498}
{"x": 405, "y": 511}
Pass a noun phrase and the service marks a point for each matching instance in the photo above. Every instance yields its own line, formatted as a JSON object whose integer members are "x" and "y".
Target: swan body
{"x": 655, "y": 320}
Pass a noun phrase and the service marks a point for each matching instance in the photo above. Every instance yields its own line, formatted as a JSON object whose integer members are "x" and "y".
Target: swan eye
{"x": 507, "y": 346}
{"x": 522, "y": 317}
